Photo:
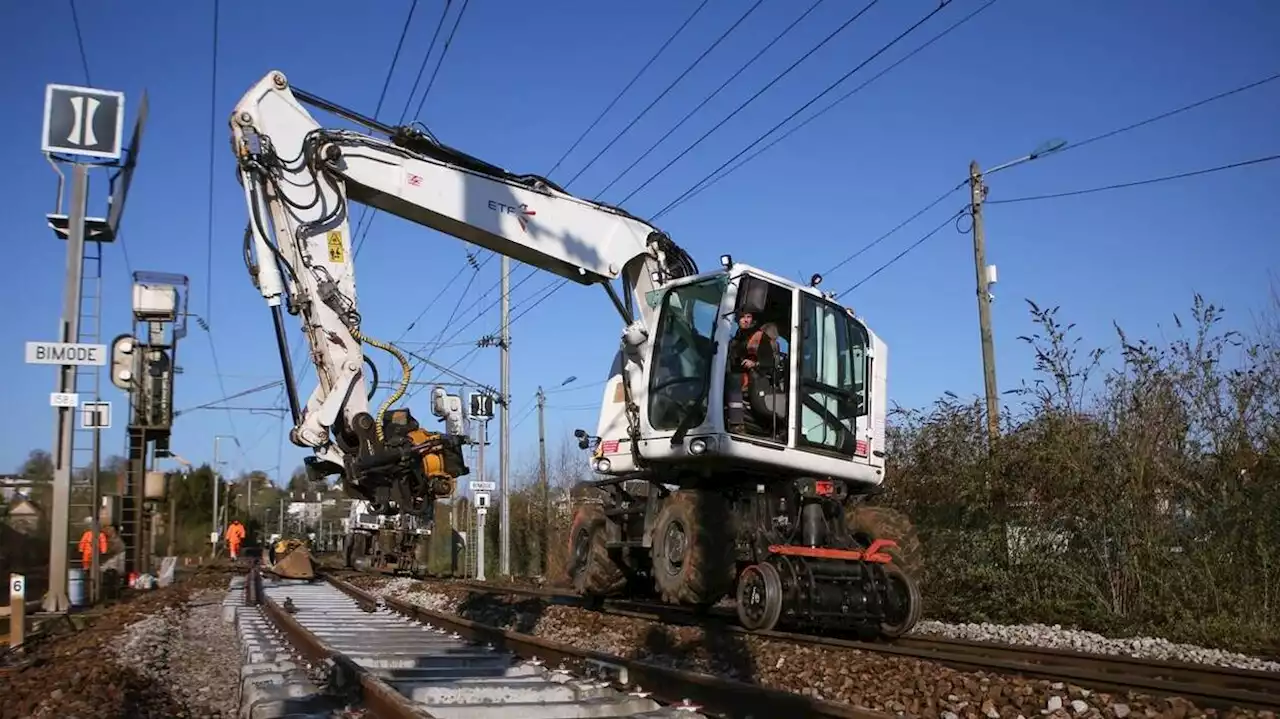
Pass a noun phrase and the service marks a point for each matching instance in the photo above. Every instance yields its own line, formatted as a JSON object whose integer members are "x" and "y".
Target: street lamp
{"x": 986, "y": 276}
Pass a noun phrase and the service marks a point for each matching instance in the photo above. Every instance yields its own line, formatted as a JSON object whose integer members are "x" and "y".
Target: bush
{"x": 1146, "y": 502}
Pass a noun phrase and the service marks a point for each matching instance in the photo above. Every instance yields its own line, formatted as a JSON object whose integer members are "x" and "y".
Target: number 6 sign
{"x": 17, "y": 586}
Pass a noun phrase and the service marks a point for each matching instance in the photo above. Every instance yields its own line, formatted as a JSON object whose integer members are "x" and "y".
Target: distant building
{"x": 24, "y": 516}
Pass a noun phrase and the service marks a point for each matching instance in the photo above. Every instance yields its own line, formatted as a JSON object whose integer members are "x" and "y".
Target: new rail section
{"x": 398, "y": 661}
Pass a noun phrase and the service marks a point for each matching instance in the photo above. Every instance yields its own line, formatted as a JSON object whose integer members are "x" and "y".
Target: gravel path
{"x": 110, "y": 669}
{"x": 904, "y": 686}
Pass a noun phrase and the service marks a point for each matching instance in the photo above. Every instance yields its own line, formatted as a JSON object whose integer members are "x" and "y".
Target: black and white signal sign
{"x": 83, "y": 121}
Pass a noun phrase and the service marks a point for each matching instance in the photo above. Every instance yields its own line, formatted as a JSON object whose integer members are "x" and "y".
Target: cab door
{"x": 832, "y": 381}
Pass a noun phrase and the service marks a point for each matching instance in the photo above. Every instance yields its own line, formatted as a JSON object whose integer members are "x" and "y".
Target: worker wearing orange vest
{"x": 748, "y": 350}
{"x": 86, "y": 547}
{"x": 235, "y": 536}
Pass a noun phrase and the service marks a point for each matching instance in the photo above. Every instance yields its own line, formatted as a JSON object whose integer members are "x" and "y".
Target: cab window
{"x": 682, "y": 353}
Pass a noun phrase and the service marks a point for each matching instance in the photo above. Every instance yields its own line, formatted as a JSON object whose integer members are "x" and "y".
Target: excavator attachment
{"x": 293, "y": 561}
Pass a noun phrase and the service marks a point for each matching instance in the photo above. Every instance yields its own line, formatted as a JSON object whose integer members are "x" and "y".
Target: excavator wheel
{"x": 884, "y": 523}
{"x": 592, "y": 571}
{"x": 693, "y": 553}
{"x": 907, "y": 604}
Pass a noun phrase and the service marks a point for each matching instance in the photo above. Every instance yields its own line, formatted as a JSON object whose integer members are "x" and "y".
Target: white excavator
{"x": 742, "y": 426}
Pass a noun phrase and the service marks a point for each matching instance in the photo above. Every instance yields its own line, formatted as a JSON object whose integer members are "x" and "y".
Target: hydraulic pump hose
{"x": 405, "y": 372}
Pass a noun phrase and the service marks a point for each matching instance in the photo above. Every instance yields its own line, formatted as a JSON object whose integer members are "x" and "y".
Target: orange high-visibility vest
{"x": 86, "y": 543}
{"x": 753, "y": 347}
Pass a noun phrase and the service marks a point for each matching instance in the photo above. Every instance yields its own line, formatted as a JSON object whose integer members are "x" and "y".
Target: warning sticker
{"x": 335, "y": 247}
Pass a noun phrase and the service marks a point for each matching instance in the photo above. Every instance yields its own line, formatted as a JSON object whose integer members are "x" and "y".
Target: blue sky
{"x": 522, "y": 80}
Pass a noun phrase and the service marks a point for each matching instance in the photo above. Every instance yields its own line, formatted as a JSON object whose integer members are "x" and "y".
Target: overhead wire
{"x": 1095, "y": 138}
{"x": 839, "y": 81}
{"x": 751, "y": 99}
{"x": 662, "y": 48}
{"x": 213, "y": 130}
{"x": 382, "y": 96}
{"x": 84, "y": 57}
{"x": 903, "y": 253}
{"x": 443, "y": 52}
{"x": 710, "y": 97}
{"x": 1136, "y": 183}
{"x": 716, "y": 43}
{"x": 831, "y": 106}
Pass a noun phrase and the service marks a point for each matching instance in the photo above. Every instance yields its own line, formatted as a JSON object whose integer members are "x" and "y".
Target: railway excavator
{"x": 688, "y": 501}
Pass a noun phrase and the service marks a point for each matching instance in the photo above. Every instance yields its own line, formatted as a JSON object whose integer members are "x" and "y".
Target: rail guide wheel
{"x": 905, "y": 603}
{"x": 759, "y": 597}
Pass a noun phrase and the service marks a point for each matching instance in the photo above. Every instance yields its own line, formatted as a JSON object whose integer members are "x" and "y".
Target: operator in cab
{"x": 750, "y": 350}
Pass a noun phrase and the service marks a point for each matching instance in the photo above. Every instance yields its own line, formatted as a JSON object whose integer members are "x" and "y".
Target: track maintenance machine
{"x": 693, "y": 506}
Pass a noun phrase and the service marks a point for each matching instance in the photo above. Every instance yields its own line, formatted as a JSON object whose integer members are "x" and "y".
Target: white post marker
{"x": 17, "y": 609}
{"x": 68, "y": 400}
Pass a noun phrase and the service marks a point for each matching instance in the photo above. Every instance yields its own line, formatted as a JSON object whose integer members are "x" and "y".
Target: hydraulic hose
{"x": 405, "y": 372}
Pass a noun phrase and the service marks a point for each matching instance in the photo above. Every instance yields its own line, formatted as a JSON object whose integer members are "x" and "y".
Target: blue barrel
{"x": 75, "y": 587}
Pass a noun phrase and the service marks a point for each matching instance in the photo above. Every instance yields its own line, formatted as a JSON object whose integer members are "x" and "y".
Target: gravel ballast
{"x": 1057, "y": 637}
{"x": 159, "y": 654}
{"x": 898, "y": 685}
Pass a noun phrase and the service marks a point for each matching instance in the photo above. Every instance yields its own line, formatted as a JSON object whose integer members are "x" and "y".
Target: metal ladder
{"x": 87, "y": 384}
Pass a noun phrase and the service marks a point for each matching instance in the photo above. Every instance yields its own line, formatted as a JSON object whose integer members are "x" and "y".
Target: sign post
{"x": 17, "y": 609}
{"x": 89, "y": 123}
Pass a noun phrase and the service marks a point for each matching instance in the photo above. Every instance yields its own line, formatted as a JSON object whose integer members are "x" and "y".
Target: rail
{"x": 1208, "y": 685}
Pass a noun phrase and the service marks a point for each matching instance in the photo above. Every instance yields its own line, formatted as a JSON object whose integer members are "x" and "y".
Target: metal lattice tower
{"x": 84, "y": 458}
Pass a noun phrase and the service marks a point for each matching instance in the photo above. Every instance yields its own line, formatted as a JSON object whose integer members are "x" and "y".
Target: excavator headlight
{"x": 603, "y": 465}
{"x": 726, "y": 261}
{"x": 698, "y": 446}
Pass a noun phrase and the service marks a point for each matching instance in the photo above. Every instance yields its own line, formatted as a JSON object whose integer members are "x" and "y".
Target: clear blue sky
{"x": 523, "y": 79}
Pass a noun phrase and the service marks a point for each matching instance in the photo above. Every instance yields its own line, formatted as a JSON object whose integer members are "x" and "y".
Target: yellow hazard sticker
{"x": 335, "y": 247}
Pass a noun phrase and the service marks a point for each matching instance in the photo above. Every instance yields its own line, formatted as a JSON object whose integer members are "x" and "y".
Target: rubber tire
{"x": 885, "y": 523}
{"x": 915, "y": 604}
{"x": 709, "y": 561}
{"x": 600, "y": 575}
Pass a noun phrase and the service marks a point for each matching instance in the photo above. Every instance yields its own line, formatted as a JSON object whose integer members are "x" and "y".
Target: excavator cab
{"x": 812, "y": 403}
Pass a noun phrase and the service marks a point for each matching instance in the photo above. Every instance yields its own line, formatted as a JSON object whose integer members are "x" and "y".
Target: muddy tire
{"x": 592, "y": 572}
{"x": 883, "y": 523}
{"x": 693, "y": 552}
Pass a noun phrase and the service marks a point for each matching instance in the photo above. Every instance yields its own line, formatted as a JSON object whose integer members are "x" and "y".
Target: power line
{"x": 443, "y": 52}
{"x": 622, "y": 92}
{"x": 84, "y": 58}
{"x": 1137, "y": 183}
{"x": 895, "y": 229}
{"x": 395, "y": 59}
{"x": 1170, "y": 113}
{"x": 710, "y": 97}
{"x": 213, "y": 130}
{"x": 954, "y": 26}
{"x": 422, "y": 68}
{"x": 902, "y": 254}
{"x": 884, "y": 48}
{"x": 751, "y": 99}
{"x": 386, "y": 83}
{"x": 666, "y": 90}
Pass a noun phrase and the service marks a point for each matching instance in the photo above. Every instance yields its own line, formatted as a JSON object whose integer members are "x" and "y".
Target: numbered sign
{"x": 17, "y": 586}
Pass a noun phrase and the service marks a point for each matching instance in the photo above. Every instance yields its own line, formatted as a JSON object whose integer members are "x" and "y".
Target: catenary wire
{"x": 903, "y": 253}
{"x": 443, "y": 52}
{"x": 943, "y": 33}
{"x": 751, "y": 99}
{"x": 883, "y": 48}
{"x": 710, "y": 97}
{"x": 84, "y": 57}
{"x": 1137, "y": 183}
{"x": 213, "y": 130}
{"x": 626, "y": 87}
{"x": 670, "y": 86}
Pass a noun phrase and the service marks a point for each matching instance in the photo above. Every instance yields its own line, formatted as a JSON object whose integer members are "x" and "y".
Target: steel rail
{"x": 378, "y": 698}
{"x": 715, "y": 695}
{"x": 1206, "y": 684}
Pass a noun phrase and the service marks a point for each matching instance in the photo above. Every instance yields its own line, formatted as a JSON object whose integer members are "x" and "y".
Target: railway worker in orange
{"x": 235, "y": 537}
{"x": 86, "y": 546}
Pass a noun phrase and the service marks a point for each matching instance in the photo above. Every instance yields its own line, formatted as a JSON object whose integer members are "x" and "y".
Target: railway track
{"x": 1206, "y": 685}
{"x": 397, "y": 661}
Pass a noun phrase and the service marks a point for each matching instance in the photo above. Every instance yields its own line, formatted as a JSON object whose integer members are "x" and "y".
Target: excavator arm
{"x": 299, "y": 181}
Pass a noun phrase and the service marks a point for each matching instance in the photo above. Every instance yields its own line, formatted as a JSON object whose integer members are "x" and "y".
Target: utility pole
{"x": 479, "y": 525}
{"x": 977, "y": 194}
{"x": 504, "y": 458}
{"x": 55, "y": 599}
{"x": 546, "y": 486}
